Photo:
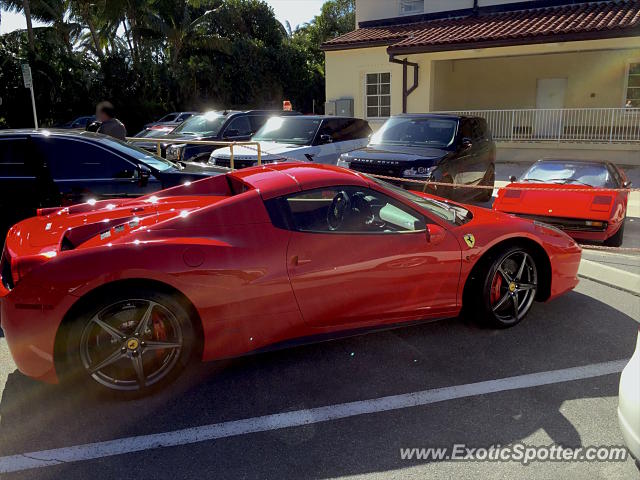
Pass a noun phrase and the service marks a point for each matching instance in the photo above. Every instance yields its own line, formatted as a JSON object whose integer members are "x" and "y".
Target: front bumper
{"x": 579, "y": 229}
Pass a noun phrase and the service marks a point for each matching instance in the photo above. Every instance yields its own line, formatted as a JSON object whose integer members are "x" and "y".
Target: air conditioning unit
{"x": 330, "y": 108}
{"x": 344, "y": 107}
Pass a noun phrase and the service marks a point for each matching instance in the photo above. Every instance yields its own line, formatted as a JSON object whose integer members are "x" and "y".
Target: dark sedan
{"x": 441, "y": 148}
{"x": 47, "y": 168}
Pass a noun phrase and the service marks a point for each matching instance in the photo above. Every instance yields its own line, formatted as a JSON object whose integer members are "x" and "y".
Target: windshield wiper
{"x": 575, "y": 180}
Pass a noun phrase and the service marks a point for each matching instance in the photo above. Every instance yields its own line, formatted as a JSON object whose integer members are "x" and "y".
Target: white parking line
{"x": 90, "y": 451}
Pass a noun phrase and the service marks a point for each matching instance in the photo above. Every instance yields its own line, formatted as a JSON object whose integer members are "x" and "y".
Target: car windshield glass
{"x": 592, "y": 174}
{"x": 435, "y": 132}
{"x": 451, "y": 213}
{"x": 153, "y": 133}
{"x": 295, "y": 130}
{"x": 207, "y": 125}
{"x": 143, "y": 156}
{"x": 168, "y": 118}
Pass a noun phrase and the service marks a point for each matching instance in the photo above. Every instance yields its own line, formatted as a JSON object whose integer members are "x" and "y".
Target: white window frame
{"x": 627, "y": 75}
{"x": 403, "y": 3}
{"x": 379, "y": 95}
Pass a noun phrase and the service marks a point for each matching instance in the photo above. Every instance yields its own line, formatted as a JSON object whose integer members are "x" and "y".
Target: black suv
{"x": 215, "y": 126}
{"x": 48, "y": 168}
{"x": 435, "y": 147}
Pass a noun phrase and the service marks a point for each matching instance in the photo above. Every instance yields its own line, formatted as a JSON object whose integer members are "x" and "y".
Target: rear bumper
{"x": 30, "y": 322}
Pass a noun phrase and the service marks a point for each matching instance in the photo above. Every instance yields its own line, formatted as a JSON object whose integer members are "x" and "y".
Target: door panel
{"x": 356, "y": 280}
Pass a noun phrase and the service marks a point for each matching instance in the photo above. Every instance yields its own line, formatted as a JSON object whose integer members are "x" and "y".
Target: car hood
{"x": 400, "y": 153}
{"x": 555, "y": 200}
{"x": 271, "y": 151}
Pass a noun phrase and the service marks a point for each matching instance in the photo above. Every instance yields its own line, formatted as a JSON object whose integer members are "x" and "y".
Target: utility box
{"x": 344, "y": 107}
{"x": 330, "y": 108}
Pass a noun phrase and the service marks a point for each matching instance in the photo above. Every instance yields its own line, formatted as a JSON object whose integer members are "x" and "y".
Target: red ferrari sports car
{"x": 584, "y": 208}
{"x": 122, "y": 294}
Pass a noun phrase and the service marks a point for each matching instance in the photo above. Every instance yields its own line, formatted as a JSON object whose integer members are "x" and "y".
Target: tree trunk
{"x": 27, "y": 14}
{"x": 94, "y": 35}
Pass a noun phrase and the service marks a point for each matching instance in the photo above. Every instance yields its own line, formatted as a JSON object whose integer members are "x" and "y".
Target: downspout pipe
{"x": 406, "y": 90}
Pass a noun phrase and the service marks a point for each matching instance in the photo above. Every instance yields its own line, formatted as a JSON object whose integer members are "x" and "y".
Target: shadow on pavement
{"x": 572, "y": 331}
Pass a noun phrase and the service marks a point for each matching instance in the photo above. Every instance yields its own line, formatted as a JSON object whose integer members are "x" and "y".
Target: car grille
{"x": 570, "y": 224}
{"x": 5, "y": 270}
{"x": 377, "y": 169}
{"x": 225, "y": 162}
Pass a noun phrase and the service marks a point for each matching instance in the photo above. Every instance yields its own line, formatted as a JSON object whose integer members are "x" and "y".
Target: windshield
{"x": 435, "y": 132}
{"x": 592, "y": 174}
{"x": 143, "y": 156}
{"x": 153, "y": 133}
{"x": 208, "y": 125}
{"x": 451, "y": 213}
{"x": 295, "y": 130}
{"x": 168, "y": 118}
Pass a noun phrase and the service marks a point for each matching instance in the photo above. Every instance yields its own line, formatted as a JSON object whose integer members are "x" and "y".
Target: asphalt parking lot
{"x": 344, "y": 409}
{"x": 590, "y": 326}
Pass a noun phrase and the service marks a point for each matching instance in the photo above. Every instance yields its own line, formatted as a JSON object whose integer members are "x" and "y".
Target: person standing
{"x": 110, "y": 125}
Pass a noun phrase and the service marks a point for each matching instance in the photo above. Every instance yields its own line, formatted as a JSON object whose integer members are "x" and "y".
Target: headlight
{"x": 175, "y": 152}
{"x": 343, "y": 162}
{"x": 420, "y": 172}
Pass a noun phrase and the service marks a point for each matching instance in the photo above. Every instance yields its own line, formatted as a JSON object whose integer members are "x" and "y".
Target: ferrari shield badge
{"x": 470, "y": 240}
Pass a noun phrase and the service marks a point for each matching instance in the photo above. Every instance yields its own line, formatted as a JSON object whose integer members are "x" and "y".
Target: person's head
{"x": 105, "y": 111}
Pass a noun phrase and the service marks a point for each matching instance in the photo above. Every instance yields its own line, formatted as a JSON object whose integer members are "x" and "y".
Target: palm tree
{"x": 24, "y": 6}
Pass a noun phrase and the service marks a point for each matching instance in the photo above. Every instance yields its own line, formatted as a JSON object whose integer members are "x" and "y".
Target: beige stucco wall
{"x": 490, "y": 78}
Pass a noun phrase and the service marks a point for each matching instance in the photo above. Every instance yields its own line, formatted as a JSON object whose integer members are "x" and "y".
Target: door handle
{"x": 297, "y": 261}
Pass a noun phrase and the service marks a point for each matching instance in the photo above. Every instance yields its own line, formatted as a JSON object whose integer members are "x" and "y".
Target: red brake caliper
{"x": 495, "y": 289}
{"x": 159, "y": 334}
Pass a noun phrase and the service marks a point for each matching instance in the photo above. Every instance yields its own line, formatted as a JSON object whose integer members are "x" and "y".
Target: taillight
{"x": 21, "y": 266}
{"x": 601, "y": 203}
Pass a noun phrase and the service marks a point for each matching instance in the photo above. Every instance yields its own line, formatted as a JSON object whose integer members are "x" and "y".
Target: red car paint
{"x": 566, "y": 202}
{"x": 253, "y": 285}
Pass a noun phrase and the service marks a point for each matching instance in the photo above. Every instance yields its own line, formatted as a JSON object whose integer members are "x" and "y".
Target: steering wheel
{"x": 361, "y": 208}
{"x": 340, "y": 205}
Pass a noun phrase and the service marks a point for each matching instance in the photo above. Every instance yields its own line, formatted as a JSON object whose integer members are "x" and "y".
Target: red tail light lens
{"x": 23, "y": 265}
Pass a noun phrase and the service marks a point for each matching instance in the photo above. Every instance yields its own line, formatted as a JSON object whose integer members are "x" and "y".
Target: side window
{"x": 75, "y": 160}
{"x": 239, "y": 127}
{"x": 466, "y": 129}
{"x": 257, "y": 121}
{"x": 334, "y": 128}
{"x": 346, "y": 129}
{"x": 184, "y": 117}
{"x": 14, "y": 155}
{"x": 348, "y": 209}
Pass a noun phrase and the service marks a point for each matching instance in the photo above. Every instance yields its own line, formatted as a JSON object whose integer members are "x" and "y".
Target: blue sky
{"x": 295, "y": 11}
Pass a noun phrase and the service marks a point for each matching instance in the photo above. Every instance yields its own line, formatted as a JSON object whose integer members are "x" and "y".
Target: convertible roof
{"x": 275, "y": 180}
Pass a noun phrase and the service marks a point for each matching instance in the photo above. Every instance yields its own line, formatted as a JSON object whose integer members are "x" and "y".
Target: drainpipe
{"x": 406, "y": 90}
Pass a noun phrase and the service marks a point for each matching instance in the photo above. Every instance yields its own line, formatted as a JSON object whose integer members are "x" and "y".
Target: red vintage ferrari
{"x": 587, "y": 206}
{"x": 122, "y": 294}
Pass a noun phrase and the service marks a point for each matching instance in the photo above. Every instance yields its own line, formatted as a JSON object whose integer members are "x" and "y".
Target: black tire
{"x": 139, "y": 365}
{"x": 617, "y": 239}
{"x": 507, "y": 274}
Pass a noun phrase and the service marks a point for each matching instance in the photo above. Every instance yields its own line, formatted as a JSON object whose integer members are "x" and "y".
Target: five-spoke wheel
{"x": 505, "y": 288}
{"x": 131, "y": 344}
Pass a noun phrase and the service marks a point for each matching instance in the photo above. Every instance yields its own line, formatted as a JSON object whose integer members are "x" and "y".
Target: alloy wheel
{"x": 131, "y": 344}
{"x": 513, "y": 287}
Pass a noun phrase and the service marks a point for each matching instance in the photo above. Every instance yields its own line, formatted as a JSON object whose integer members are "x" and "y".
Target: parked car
{"x": 431, "y": 147}
{"x": 629, "y": 403}
{"x": 318, "y": 139}
{"x": 227, "y": 126}
{"x": 48, "y": 168}
{"x": 154, "y": 132}
{"x": 171, "y": 120}
{"x": 304, "y": 248}
{"x": 79, "y": 123}
{"x": 584, "y": 208}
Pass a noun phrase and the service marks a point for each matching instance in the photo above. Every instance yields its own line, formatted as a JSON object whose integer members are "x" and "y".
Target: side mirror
{"x": 512, "y": 178}
{"x": 324, "y": 139}
{"x": 627, "y": 184}
{"x": 435, "y": 234}
{"x": 145, "y": 175}
{"x": 467, "y": 143}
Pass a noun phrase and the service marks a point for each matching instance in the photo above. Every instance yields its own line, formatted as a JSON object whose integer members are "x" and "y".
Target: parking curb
{"x": 610, "y": 276}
